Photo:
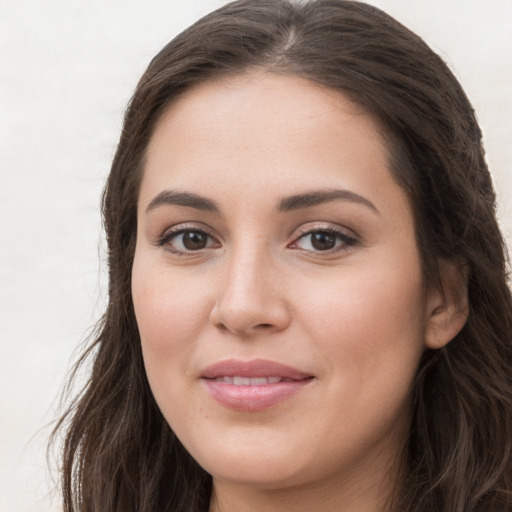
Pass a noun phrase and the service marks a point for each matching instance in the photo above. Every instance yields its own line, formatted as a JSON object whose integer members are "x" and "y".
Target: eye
{"x": 323, "y": 240}
{"x": 187, "y": 240}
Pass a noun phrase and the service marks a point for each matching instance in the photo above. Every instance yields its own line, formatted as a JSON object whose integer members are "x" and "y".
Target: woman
{"x": 308, "y": 301}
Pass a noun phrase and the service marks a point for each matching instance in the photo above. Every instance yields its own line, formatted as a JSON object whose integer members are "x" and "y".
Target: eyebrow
{"x": 295, "y": 202}
{"x": 183, "y": 199}
{"x": 316, "y": 197}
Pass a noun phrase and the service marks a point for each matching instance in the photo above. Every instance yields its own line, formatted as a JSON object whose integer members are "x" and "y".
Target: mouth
{"x": 237, "y": 380}
{"x": 252, "y": 385}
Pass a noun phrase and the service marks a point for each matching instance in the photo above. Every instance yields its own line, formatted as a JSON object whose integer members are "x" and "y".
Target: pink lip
{"x": 252, "y": 397}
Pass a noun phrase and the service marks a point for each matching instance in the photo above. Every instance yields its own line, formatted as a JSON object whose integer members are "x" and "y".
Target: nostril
{"x": 244, "y": 319}
{"x": 223, "y": 328}
{"x": 264, "y": 326}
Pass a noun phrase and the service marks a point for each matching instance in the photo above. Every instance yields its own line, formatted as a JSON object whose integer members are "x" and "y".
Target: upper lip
{"x": 253, "y": 368}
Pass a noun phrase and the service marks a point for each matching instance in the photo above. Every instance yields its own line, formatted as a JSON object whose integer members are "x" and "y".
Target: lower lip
{"x": 252, "y": 398}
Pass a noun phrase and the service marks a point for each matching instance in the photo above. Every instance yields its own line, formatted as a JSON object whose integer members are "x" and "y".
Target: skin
{"x": 357, "y": 317}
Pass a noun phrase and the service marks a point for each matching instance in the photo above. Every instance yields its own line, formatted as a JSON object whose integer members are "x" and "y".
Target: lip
{"x": 249, "y": 398}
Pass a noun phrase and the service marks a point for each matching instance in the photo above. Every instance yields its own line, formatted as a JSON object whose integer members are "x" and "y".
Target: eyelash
{"x": 346, "y": 241}
{"x": 166, "y": 239}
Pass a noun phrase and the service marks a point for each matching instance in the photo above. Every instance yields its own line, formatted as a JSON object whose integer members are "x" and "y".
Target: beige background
{"x": 67, "y": 70}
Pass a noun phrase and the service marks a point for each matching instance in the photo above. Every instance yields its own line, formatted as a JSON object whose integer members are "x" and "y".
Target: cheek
{"x": 170, "y": 313}
{"x": 370, "y": 323}
{"x": 368, "y": 330}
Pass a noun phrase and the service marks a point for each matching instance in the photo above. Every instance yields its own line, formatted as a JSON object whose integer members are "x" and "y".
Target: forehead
{"x": 264, "y": 129}
{"x": 267, "y": 100}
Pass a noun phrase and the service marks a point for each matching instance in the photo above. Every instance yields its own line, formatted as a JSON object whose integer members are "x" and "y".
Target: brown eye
{"x": 194, "y": 240}
{"x": 322, "y": 241}
{"x": 187, "y": 241}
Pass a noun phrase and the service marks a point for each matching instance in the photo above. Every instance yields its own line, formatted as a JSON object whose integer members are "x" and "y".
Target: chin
{"x": 263, "y": 461}
{"x": 266, "y": 473}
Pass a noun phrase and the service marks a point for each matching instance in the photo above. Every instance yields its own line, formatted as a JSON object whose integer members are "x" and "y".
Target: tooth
{"x": 259, "y": 381}
{"x": 274, "y": 380}
{"x": 228, "y": 380}
{"x": 241, "y": 381}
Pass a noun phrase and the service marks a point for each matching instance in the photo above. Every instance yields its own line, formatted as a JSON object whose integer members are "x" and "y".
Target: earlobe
{"x": 448, "y": 307}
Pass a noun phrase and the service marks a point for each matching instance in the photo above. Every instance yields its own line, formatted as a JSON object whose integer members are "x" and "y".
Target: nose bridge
{"x": 249, "y": 297}
{"x": 248, "y": 271}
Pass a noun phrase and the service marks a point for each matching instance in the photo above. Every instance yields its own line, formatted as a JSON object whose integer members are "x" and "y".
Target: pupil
{"x": 323, "y": 241}
{"x": 194, "y": 241}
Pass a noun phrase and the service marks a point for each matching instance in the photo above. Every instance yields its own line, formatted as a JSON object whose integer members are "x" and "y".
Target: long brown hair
{"x": 119, "y": 454}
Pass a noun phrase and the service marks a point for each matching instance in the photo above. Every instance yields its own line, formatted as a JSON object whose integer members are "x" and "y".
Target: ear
{"x": 447, "y": 304}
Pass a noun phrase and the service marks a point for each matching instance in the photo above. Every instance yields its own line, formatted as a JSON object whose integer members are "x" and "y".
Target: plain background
{"x": 68, "y": 68}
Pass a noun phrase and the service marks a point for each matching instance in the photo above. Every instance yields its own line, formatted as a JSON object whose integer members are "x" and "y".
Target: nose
{"x": 250, "y": 297}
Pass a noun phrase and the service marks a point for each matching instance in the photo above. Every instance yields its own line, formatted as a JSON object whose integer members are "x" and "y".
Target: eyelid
{"x": 311, "y": 227}
{"x": 170, "y": 232}
{"x": 348, "y": 237}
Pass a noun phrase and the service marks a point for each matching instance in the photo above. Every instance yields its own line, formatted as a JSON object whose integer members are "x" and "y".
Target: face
{"x": 277, "y": 283}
